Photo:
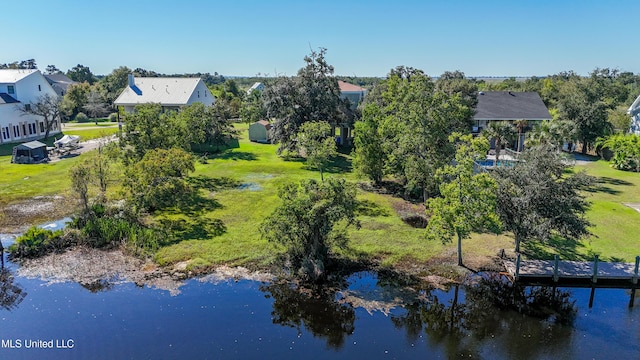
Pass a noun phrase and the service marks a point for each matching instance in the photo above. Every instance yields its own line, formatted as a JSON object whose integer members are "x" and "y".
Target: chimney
{"x": 132, "y": 84}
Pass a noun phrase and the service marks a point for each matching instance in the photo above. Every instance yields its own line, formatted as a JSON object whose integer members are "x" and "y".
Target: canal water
{"x": 365, "y": 316}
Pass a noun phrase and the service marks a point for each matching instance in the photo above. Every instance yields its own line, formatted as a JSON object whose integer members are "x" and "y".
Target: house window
{"x": 5, "y": 133}
{"x": 39, "y": 88}
{"x": 32, "y": 128}
{"x": 11, "y": 89}
{"x": 24, "y": 129}
{"x": 198, "y": 93}
{"x": 16, "y": 131}
{"x": 41, "y": 127}
{"x": 27, "y": 107}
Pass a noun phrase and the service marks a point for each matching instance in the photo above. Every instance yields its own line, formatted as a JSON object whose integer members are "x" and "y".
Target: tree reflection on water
{"x": 11, "y": 294}
{"x": 519, "y": 321}
{"x": 315, "y": 309}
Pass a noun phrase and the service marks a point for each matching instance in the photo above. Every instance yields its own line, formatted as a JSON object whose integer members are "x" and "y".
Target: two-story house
{"x": 22, "y": 88}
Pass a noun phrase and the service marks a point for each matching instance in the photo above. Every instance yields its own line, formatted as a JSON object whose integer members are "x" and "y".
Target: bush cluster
{"x": 37, "y": 242}
{"x": 82, "y": 117}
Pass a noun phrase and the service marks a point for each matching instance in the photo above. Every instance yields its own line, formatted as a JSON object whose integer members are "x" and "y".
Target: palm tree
{"x": 520, "y": 125}
{"x": 501, "y": 132}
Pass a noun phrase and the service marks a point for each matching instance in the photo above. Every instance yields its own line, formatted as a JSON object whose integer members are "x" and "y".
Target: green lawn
{"x": 248, "y": 178}
{"x": 615, "y": 226}
{"x": 239, "y": 189}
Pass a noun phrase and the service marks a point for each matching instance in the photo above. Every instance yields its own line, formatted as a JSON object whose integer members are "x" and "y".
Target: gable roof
{"x": 7, "y": 99}
{"x": 161, "y": 90}
{"x": 346, "y": 87}
{"x": 507, "y": 105}
{"x": 635, "y": 107}
{"x": 264, "y": 123}
{"x": 59, "y": 82}
{"x": 15, "y": 75}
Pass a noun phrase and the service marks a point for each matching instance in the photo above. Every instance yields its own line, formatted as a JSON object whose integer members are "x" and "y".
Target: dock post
{"x": 635, "y": 271}
{"x": 518, "y": 267}
{"x": 594, "y": 279}
{"x": 555, "y": 268}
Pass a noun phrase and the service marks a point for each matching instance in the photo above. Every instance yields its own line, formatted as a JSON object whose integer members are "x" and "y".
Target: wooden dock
{"x": 574, "y": 273}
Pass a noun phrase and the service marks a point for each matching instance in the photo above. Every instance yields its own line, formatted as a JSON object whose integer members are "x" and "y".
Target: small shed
{"x": 32, "y": 152}
{"x": 260, "y": 131}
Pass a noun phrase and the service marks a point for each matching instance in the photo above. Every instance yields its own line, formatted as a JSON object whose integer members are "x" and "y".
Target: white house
{"x": 18, "y": 88}
{"x": 634, "y": 111}
{"x": 256, "y": 86}
{"x": 171, "y": 93}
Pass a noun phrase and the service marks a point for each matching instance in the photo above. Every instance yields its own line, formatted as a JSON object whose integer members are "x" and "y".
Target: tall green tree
{"x": 253, "y": 108}
{"x": 369, "y": 156}
{"x": 75, "y": 98}
{"x": 158, "y": 180}
{"x": 52, "y": 69}
{"x": 115, "y": 82}
{"x": 582, "y": 104}
{"x": 536, "y": 198}
{"x": 313, "y": 95}
{"x": 205, "y": 124}
{"x": 81, "y": 73}
{"x": 312, "y": 218}
{"x": 148, "y": 127}
{"x": 418, "y": 119}
{"x": 315, "y": 140}
{"x": 468, "y": 200}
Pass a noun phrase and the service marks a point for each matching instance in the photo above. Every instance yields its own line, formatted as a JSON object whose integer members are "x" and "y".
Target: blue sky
{"x": 364, "y": 38}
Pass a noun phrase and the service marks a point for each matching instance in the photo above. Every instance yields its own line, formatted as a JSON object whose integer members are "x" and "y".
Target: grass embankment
{"x": 239, "y": 189}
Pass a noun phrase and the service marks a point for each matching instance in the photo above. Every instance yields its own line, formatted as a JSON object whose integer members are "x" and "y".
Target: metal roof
{"x": 14, "y": 75}
{"x": 160, "y": 90}
{"x": 7, "y": 99}
{"x": 32, "y": 145}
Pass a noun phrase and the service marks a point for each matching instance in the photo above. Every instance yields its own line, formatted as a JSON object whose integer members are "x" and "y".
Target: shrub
{"x": 36, "y": 242}
{"x": 109, "y": 227}
{"x": 113, "y": 117}
{"x": 82, "y": 117}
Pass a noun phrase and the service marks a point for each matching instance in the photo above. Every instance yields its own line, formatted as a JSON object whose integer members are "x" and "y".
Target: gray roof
{"x": 59, "y": 82}
{"x": 507, "y": 105}
{"x": 7, "y": 99}
{"x": 32, "y": 145}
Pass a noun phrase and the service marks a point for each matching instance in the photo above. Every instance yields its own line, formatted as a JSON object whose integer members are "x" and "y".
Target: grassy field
{"x": 615, "y": 225}
{"x": 239, "y": 189}
{"x": 245, "y": 182}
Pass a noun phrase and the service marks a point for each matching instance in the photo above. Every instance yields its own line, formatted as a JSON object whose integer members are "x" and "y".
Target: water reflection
{"x": 317, "y": 310}
{"x": 492, "y": 311}
{"x": 11, "y": 293}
